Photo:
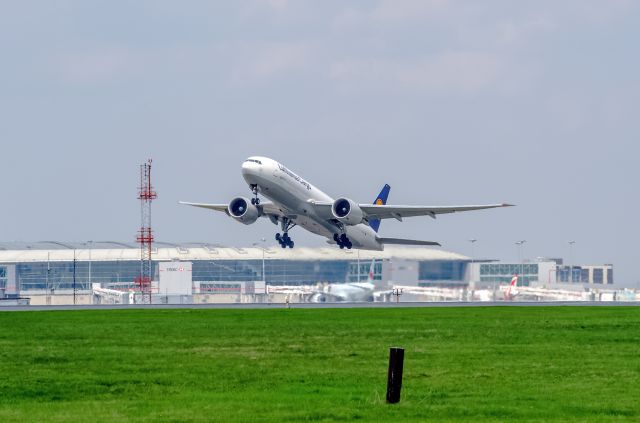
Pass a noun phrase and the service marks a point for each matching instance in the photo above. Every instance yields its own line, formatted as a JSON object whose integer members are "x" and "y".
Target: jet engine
{"x": 347, "y": 211}
{"x": 243, "y": 211}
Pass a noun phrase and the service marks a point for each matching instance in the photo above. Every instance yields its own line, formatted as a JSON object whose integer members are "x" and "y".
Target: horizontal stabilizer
{"x": 400, "y": 241}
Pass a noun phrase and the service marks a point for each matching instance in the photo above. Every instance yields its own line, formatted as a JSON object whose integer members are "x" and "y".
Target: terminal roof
{"x": 20, "y": 252}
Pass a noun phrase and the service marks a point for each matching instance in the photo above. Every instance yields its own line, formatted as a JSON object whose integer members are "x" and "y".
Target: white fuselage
{"x": 351, "y": 292}
{"x": 293, "y": 195}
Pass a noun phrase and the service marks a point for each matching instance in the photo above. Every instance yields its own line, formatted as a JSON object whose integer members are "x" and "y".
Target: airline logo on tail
{"x": 514, "y": 281}
{"x": 371, "y": 271}
{"x": 380, "y": 200}
{"x": 511, "y": 291}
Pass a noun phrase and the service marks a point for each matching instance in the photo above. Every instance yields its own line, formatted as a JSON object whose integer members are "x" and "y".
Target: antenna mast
{"x": 146, "y": 195}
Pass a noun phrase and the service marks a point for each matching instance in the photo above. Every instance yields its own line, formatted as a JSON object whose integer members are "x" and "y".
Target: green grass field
{"x": 461, "y": 364}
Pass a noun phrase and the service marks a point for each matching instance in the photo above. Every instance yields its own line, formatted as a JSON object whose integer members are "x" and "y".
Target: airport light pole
{"x": 358, "y": 265}
{"x": 262, "y": 242}
{"x": 70, "y": 247}
{"x": 571, "y": 260}
{"x": 47, "y": 283}
{"x": 74, "y": 276}
{"x": 473, "y": 243}
{"x": 90, "y": 244}
{"x": 520, "y": 244}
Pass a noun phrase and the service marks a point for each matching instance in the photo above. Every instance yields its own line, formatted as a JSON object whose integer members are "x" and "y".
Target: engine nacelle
{"x": 243, "y": 211}
{"x": 347, "y": 211}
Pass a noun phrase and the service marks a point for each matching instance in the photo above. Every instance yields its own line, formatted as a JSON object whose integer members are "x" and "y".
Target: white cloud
{"x": 258, "y": 62}
{"x": 391, "y": 12}
{"x": 601, "y": 12}
{"x": 455, "y": 71}
{"x": 402, "y": 10}
{"x": 513, "y": 32}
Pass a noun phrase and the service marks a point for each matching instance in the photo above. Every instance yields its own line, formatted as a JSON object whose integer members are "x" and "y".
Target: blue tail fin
{"x": 380, "y": 200}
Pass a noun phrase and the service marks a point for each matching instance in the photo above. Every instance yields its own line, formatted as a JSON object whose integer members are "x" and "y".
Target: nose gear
{"x": 254, "y": 189}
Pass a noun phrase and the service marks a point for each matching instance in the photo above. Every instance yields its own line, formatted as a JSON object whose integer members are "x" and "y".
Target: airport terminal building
{"x": 55, "y": 268}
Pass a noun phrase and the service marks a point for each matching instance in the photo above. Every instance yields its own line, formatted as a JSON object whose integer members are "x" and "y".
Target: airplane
{"x": 295, "y": 202}
{"x": 351, "y": 291}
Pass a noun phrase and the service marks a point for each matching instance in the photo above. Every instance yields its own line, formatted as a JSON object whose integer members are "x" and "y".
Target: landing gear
{"x": 342, "y": 241}
{"x": 254, "y": 189}
{"x": 284, "y": 239}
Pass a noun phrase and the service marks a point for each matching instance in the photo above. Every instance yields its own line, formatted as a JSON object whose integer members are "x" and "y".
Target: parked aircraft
{"x": 512, "y": 290}
{"x": 295, "y": 202}
{"x": 351, "y": 291}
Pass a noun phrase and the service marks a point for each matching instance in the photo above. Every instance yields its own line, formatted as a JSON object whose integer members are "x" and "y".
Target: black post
{"x": 394, "y": 377}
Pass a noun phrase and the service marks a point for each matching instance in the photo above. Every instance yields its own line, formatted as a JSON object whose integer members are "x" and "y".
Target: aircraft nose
{"x": 251, "y": 168}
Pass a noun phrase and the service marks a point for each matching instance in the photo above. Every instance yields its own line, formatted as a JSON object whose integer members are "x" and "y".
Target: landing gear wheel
{"x": 284, "y": 239}
{"x": 255, "y": 201}
{"x": 343, "y": 241}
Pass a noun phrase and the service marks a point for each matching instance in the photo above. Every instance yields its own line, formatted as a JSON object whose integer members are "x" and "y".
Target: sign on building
{"x": 175, "y": 278}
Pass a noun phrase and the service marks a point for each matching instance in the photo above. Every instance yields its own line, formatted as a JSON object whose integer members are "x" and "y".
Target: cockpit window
{"x": 254, "y": 161}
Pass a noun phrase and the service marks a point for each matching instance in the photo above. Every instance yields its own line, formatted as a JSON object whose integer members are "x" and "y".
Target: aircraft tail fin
{"x": 512, "y": 290}
{"x": 371, "y": 274}
{"x": 514, "y": 280}
{"x": 381, "y": 199}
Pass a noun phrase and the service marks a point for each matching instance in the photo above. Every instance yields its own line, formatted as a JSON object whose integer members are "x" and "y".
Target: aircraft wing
{"x": 265, "y": 208}
{"x": 374, "y": 211}
{"x": 217, "y": 207}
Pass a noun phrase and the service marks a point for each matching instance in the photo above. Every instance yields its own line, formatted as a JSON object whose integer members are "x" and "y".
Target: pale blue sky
{"x": 450, "y": 102}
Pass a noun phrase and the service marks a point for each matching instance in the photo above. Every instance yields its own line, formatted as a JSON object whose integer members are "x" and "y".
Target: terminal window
{"x": 441, "y": 271}
{"x": 3, "y": 277}
{"x": 364, "y": 271}
{"x": 597, "y": 276}
{"x": 502, "y": 273}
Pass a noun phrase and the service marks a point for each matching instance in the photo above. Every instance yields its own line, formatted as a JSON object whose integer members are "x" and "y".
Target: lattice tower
{"x": 146, "y": 195}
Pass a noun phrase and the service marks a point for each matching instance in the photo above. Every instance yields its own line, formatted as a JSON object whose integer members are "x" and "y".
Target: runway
{"x": 258, "y": 306}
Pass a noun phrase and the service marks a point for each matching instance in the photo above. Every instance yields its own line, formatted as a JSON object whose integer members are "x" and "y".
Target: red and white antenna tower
{"x": 146, "y": 195}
